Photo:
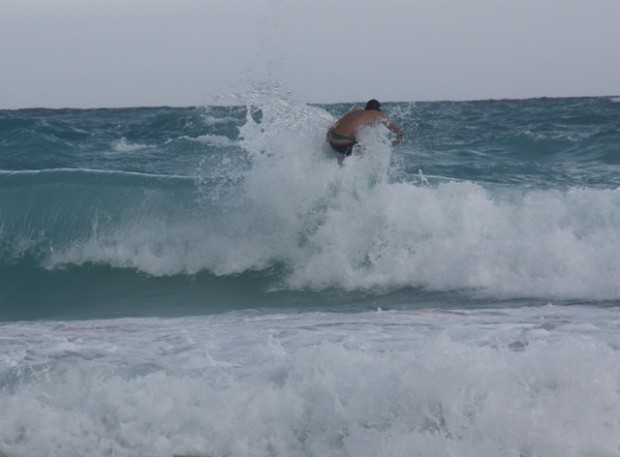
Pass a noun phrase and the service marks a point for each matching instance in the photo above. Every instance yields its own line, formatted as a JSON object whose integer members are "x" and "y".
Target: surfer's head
{"x": 373, "y": 105}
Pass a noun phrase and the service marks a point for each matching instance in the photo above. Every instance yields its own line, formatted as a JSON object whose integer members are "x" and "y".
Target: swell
{"x": 150, "y": 140}
{"x": 90, "y": 291}
{"x": 540, "y": 142}
{"x": 41, "y": 211}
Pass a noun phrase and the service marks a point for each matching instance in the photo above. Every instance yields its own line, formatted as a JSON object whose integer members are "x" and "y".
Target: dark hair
{"x": 374, "y": 105}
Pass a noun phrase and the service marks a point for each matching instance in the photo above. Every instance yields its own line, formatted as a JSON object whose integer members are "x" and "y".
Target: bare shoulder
{"x": 374, "y": 116}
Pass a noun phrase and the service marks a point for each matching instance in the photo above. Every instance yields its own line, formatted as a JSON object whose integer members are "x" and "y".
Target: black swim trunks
{"x": 340, "y": 143}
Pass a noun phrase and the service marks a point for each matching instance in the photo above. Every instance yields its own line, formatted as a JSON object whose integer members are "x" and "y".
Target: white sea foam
{"x": 215, "y": 140}
{"x": 124, "y": 146}
{"x": 217, "y": 120}
{"x": 427, "y": 383}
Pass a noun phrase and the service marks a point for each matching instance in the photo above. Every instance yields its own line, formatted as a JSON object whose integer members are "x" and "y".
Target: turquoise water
{"x": 215, "y": 281}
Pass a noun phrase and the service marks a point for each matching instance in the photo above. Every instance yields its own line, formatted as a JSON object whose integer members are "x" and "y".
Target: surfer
{"x": 342, "y": 136}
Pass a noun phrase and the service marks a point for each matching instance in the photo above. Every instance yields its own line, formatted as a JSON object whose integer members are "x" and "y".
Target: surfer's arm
{"x": 394, "y": 127}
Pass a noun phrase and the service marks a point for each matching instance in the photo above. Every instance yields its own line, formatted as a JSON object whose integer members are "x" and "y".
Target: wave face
{"x": 490, "y": 201}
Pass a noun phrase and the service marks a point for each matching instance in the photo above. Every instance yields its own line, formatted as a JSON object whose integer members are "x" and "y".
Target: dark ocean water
{"x": 215, "y": 281}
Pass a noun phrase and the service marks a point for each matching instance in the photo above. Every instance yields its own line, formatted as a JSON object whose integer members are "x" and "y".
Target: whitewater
{"x": 215, "y": 281}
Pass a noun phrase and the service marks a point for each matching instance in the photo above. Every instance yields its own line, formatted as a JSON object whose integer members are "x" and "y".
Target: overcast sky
{"x": 104, "y": 53}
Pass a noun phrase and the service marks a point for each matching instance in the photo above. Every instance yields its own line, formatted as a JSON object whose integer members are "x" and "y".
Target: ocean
{"x": 214, "y": 281}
